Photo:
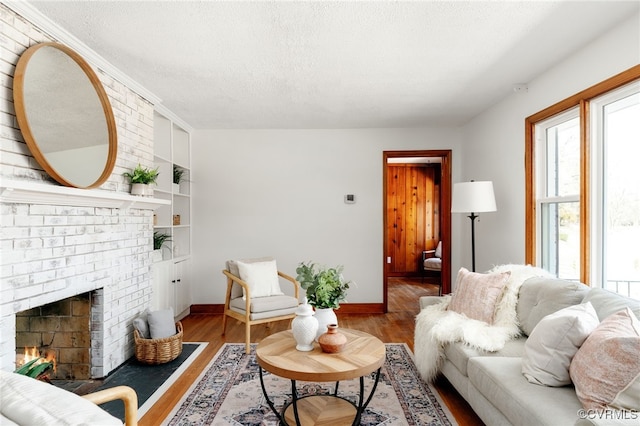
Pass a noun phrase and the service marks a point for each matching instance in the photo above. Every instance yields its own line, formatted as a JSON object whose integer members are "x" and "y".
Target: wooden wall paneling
{"x": 410, "y": 219}
{"x": 399, "y": 251}
{"x": 391, "y": 215}
{"x": 412, "y": 200}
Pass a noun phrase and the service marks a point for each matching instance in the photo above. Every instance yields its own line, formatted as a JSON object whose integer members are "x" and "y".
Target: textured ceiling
{"x": 271, "y": 64}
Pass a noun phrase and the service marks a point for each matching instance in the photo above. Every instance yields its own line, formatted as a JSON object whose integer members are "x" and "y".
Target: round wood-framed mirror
{"x": 65, "y": 116}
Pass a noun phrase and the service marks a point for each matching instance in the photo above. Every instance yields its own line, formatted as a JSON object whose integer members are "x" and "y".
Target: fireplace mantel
{"x": 24, "y": 192}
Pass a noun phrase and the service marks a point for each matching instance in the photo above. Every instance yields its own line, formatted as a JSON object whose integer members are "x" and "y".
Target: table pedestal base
{"x": 321, "y": 410}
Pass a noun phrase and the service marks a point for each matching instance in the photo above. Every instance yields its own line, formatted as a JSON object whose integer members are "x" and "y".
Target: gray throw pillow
{"x": 140, "y": 324}
{"x": 161, "y": 324}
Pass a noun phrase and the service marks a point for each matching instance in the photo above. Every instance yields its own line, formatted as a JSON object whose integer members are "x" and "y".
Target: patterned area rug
{"x": 228, "y": 392}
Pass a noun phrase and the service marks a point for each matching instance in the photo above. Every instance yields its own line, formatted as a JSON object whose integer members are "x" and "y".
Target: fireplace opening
{"x": 59, "y": 331}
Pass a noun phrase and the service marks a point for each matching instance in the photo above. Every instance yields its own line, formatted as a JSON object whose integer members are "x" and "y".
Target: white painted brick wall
{"x": 53, "y": 252}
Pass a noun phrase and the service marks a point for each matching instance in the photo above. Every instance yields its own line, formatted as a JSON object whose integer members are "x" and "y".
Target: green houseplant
{"x": 178, "y": 173}
{"x": 325, "y": 287}
{"x": 178, "y": 176}
{"x": 142, "y": 175}
{"x": 159, "y": 240}
{"x": 141, "y": 178}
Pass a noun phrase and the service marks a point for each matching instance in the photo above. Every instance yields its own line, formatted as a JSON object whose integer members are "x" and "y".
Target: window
{"x": 616, "y": 183}
{"x": 558, "y": 141}
{"x": 583, "y": 198}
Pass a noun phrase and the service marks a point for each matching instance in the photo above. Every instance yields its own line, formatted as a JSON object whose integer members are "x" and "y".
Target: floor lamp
{"x": 473, "y": 197}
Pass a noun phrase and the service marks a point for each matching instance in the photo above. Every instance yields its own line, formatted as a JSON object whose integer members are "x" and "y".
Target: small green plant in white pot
{"x": 178, "y": 176}
{"x": 159, "y": 240}
{"x": 141, "y": 178}
{"x": 325, "y": 289}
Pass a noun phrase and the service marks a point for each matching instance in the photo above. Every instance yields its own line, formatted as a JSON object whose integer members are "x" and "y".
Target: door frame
{"x": 445, "y": 213}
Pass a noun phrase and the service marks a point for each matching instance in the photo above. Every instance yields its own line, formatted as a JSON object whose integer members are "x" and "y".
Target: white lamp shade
{"x": 473, "y": 197}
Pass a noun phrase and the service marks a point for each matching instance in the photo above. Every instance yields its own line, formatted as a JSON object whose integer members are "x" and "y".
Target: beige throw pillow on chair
{"x": 262, "y": 278}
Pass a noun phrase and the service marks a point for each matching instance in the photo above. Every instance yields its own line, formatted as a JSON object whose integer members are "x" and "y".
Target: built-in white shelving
{"x": 171, "y": 275}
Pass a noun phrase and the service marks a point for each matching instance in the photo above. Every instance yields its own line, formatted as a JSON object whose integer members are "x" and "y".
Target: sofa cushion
{"x": 606, "y": 369}
{"x": 524, "y": 404}
{"x": 554, "y": 342}
{"x": 27, "y": 401}
{"x": 606, "y": 302}
{"x": 459, "y": 354}
{"x": 477, "y": 295}
{"x": 540, "y": 297}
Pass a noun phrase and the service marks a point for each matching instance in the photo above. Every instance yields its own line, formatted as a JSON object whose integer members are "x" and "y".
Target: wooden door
{"x": 413, "y": 222}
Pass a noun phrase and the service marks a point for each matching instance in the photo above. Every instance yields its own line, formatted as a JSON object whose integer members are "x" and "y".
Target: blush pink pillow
{"x": 477, "y": 295}
{"x": 606, "y": 368}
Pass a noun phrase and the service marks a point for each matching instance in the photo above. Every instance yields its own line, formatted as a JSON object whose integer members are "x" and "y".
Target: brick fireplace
{"x": 54, "y": 250}
{"x": 62, "y": 331}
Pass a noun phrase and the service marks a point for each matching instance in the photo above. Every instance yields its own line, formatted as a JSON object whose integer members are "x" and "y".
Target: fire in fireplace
{"x": 58, "y": 332}
{"x": 37, "y": 365}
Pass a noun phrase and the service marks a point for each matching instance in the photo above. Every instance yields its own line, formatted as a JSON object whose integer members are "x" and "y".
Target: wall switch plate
{"x": 350, "y": 199}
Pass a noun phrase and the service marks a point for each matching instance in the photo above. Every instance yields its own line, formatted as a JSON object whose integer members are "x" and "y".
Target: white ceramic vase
{"x": 325, "y": 316}
{"x": 304, "y": 327}
{"x": 141, "y": 189}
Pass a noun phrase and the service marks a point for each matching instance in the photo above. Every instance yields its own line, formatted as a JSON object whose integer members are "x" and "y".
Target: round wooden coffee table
{"x": 362, "y": 355}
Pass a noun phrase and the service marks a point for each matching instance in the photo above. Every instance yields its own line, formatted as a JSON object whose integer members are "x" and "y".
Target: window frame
{"x": 580, "y": 100}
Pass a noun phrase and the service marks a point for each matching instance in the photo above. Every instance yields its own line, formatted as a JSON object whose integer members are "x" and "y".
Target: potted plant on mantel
{"x": 159, "y": 239}
{"x": 325, "y": 289}
{"x": 141, "y": 178}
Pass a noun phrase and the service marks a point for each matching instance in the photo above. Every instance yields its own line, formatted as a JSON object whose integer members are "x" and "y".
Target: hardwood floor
{"x": 396, "y": 326}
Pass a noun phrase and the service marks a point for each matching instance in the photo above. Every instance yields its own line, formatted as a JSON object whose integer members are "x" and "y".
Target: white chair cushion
{"x": 265, "y": 304}
{"x": 28, "y": 401}
{"x": 438, "y": 252}
{"x": 433, "y": 264}
{"x": 266, "y": 307}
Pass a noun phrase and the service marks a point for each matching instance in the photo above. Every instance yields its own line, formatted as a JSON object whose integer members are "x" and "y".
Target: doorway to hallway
{"x": 417, "y": 214}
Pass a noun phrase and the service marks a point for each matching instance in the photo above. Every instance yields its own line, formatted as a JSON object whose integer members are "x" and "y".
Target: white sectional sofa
{"x": 493, "y": 383}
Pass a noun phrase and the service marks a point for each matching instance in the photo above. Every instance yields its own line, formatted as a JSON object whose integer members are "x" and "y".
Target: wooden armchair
{"x": 432, "y": 262}
{"x": 27, "y": 401}
{"x": 124, "y": 393}
{"x": 247, "y": 302}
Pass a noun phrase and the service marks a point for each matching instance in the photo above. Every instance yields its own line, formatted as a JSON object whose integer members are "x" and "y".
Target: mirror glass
{"x": 65, "y": 115}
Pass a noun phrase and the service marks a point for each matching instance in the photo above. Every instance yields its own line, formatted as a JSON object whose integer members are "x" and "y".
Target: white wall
{"x": 280, "y": 193}
{"x": 494, "y": 141}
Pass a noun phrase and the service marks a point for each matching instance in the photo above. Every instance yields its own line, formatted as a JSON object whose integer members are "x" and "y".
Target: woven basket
{"x": 158, "y": 351}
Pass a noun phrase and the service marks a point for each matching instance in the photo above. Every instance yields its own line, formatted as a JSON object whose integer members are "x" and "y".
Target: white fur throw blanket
{"x": 436, "y": 326}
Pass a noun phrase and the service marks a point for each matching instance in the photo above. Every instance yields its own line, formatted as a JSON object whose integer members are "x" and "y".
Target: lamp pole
{"x": 473, "y": 217}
